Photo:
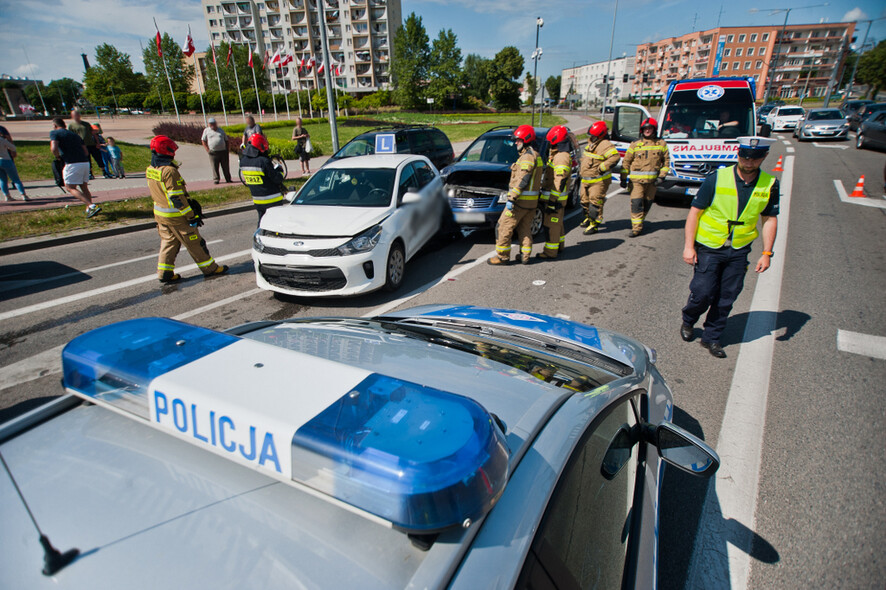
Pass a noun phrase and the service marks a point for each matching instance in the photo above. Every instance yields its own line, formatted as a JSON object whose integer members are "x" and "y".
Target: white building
{"x": 586, "y": 82}
{"x": 360, "y": 35}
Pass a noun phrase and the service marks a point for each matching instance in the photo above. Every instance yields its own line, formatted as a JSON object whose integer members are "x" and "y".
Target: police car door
{"x": 626, "y": 125}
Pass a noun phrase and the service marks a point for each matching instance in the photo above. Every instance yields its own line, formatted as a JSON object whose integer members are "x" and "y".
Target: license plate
{"x": 470, "y": 218}
{"x": 692, "y": 191}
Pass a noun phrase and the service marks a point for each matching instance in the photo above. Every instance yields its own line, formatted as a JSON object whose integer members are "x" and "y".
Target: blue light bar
{"x": 118, "y": 362}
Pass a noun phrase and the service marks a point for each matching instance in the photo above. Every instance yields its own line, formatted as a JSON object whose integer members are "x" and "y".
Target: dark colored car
{"x": 850, "y": 106}
{"x": 420, "y": 140}
{"x": 872, "y": 132}
{"x": 763, "y": 111}
{"x": 862, "y": 114}
{"x": 476, "y": 184}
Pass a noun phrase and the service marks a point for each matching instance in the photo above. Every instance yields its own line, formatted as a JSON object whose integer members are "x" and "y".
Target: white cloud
{"x": 23, "y": 71}
{"x": 855, "y": 14}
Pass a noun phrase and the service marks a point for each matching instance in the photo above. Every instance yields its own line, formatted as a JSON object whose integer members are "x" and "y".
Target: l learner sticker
{"x": 710, "y": 92}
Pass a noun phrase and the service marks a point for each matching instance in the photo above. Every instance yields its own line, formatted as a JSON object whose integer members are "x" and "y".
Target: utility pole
{"x": 327, "y": 77}
{"x": 609, "y": 63}
{"x": 539, "y": 23}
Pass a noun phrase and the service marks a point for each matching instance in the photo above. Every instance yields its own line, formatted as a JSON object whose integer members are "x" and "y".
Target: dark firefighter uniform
{"x": 523, "y": 201}
{"x": 556, "y": 187}
{"x": 646, "y": 160}
{"x": 265, "y": 182}
{"x": 174, "y": 217}
{"x": 597, "y": 161}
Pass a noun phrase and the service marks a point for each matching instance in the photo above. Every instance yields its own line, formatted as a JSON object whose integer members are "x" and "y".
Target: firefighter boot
{"x": 498, "y": 261}
{"x": 167, "y": 276}
{"x": 220, "y": 270}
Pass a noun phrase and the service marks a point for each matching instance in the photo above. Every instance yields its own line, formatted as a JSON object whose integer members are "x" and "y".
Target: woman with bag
{"x": 303, "y": 148}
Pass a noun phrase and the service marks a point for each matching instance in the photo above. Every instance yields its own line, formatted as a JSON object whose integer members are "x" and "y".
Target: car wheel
{"x": 395, "y": 268}
{"x": 537, "y": 222}
{"x": 859, "y": 141}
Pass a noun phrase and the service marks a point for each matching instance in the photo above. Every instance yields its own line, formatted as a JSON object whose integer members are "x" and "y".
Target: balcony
{"x": 361, "y": 29}
{"x": 358, "y": 14}
{"x": 246, "y": 22}
{"x": 380, "y": 28}
{"x": 334, "y": 31}
{"x": 379, "y": 2}
{"x": 244, "y": 7}
{"x": 272, "y": 6}
{"x": 363, "y": 69}
{"x": 331, "y": 4}
{"x": 361, "y": 42}
{"x": 300, "y": 32}
{"x": 315, "y": 31}
{"x": 296, "y": 4}
{"x": 381, "y": 44}
{"x": 379, "y": 13}
{"x": 382, "y": 55}
{"x": 332, "y": 17}
{"x": 273, "y": 20}
{"x": 231, "y": 23}
{"x": 297, "y": 17}
{"x": 277, "y": 34}
{"x": 249, "y": 36}
{"x": 362, "y": 56}
{"x": 235, "y": 36}
{"x": 229, "y": 9}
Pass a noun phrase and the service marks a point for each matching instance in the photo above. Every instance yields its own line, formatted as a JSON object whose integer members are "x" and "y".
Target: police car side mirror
{"x": 765, "y": 130}
{"x": 683, "y": 450}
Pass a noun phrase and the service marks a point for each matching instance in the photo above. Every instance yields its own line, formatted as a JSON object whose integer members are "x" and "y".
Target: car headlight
{"x": 450, "y": 193}
{"x": 503, "y": 197}
{"x": 363, "y": 242}
{"x": 257, "y": 244}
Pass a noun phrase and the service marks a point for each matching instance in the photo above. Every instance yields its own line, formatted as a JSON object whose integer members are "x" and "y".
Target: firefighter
{"x": 647, "y": 163}
{"x": 522, "y": 199}
{"x": 597, "y": 161}
{"x": 176, "y": 221}
{"x": 555, "y": 187}
{"x": 265, "y": 181}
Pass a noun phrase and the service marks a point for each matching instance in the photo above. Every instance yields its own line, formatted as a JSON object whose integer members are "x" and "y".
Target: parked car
{"x": 351, "y": 228}
{"x": 872, "y": 133}
{"x": 420, "y": 140}
{"x": 856, "y": 118}
{"x": 437, "y": 447}
{"x": 762, "y": 113}
{"x": 785, "y": 118}
{"x": 476, "y": 184}
{"x": 822, "y": 124}
{"x": 850, "y": 106}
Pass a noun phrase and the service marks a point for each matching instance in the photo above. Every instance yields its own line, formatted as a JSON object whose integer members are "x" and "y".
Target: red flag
{"x": 287, "y": 58}
{"x": 214, "y": 60}
{"x": 230, "y": 54}
{"x": 159, "y": 49}
{"x": 320, "y": 69}
{"x": 250, "y": 58}
{"x": 275, "y": 59}
{"x": 311, "y": 63}
{"x": 189, "y": 46}
{"x": 264, "y": 62}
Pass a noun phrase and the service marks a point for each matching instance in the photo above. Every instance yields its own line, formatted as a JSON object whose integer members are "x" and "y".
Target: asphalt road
{"x": 820, "y": 519}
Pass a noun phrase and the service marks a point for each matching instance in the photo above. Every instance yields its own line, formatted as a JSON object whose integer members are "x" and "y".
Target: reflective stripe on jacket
{"x": 263, "y": 180}
{"x": 526, "y": 178}
{"x": 556, "y": 176}
{"x": 721, "y": 221}
{"x": 168, "y": 192}
{"x": 647, "y": 159}
{"x": 597, "y": 161}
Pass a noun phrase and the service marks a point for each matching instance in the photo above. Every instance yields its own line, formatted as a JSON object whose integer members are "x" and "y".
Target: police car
{"x": 441, "y": 446}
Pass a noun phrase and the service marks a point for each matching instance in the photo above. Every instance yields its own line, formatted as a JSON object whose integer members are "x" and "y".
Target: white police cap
{"x": 755, "y": 142}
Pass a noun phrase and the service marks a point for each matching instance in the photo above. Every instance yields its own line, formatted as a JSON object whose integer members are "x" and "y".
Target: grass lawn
{"x": 27, "y": 224}
{"x": 34, "y": 160}
{"x": 458, "y": 127}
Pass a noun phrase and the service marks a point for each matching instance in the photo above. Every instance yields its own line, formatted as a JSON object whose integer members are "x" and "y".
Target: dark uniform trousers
{"x": 716, "y": 284}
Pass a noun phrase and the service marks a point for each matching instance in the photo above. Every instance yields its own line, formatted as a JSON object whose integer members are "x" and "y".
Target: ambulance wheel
{"x": 395, "y": 268}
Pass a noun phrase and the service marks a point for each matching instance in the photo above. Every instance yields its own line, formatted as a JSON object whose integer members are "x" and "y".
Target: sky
{"x": 43, "y": 39}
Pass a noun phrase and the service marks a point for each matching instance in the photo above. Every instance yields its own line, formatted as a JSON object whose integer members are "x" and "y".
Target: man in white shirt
{"x": 215, "y": 141}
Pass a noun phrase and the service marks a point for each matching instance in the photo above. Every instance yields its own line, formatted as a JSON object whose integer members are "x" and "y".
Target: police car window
{"x": 584, "y": 534}
{"x": 348, "y": 187}
{"x": 423, "y": 173}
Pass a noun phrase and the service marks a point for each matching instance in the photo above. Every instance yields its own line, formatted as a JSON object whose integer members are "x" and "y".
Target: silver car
{"x": 822, "y": 124}
{"x": 442, "y": 446}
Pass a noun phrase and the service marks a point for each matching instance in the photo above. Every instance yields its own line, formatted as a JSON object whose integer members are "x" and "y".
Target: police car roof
{"x": 149, "y": 510}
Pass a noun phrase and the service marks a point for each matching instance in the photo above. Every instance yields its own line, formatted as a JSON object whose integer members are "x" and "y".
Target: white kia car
{"x": 785, "y": 118}
{"x": 351, "y": 228}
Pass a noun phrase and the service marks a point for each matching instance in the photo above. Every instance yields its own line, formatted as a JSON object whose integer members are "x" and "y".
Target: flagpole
{"x": 165, "y": 69}
{"x": 298, "y": 87}
{"x": 221, "y": 94}
{"x": 286, "y": 98}
{"x": 273, "y": 96}
{"x": 237, "y": 80}
{"x": 199, "y": 85}
{"x": 252, "y": 67}
{"x": 160, "y": 96}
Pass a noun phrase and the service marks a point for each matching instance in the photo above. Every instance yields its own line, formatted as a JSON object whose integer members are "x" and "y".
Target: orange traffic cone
{"x": 859, "y": 188}
{"x": 778, "y": 167}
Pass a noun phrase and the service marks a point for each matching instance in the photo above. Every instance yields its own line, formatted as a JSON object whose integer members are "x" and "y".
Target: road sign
{"x": 385, "y": 143}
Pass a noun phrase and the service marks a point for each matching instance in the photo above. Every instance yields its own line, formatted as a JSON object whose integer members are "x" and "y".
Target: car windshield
{"x": 824, "y": 115}
{"x": 498, "y": 150}
{"x": 789, "y": 112}
{"x": 348, "y": 187}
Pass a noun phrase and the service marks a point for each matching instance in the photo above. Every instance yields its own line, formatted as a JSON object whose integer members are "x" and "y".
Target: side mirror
{"x": 685, "y": 451}
{"x": 290, "y": 196}
{"x": 765, "y": 130}
{"x": 410, "y": 197}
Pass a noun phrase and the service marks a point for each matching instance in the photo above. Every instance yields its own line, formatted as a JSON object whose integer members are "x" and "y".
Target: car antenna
{"x": 53, "y": 559}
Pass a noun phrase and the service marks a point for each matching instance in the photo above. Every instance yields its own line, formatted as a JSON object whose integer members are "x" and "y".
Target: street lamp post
{"x": 609, "y": 63}
{"x": 860, "y": 53}
{"x": 539, "y": 23}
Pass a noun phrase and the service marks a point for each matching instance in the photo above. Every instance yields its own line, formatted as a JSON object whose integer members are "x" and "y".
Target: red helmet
{"x": 650, "y": 122}
{"x": 598, "y": 129}
{"x": 163, "y": 146}
{"x": 557, "y": 134}
{"x": 259, "y": 142}
{"x": 525, "y": 133}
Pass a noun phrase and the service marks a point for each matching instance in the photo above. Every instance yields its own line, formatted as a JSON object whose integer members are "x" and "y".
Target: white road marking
{"x": 790, "y": 150}
{"x": 108, "y": 289}
{"x": 721, "y": 556}
{"x": 863, "y": 344}
{"x": 830, "y": 145}
{"x": 786, "y": 141}
{"x": 841, "y": 192}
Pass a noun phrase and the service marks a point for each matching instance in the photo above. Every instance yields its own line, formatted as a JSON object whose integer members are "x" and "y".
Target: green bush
{"x": 133, "y": 100}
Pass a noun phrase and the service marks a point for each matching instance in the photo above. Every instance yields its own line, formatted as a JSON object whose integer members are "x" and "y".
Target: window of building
{"x": 750, "y": 51}
{"x": 754, "y": 38}
{"x": 747, "y": 65}
{"x": 759, "y": 64}
{"x": 765, "y": 37}
{"x": 210, "y": 9}
{"x": 212, "y": 22}
{"x": 738, "y": 52}
{"x": 725, "y": 66}
{"x": 264, "y": 20}
{"x": 741, "y": 38}
{"x": 727, "y": 53}
{"x": 215, "y": 36}
{"x": 762, "y": 52}
{"x": 730, "y": 38}
{"x": 756, "y": 77}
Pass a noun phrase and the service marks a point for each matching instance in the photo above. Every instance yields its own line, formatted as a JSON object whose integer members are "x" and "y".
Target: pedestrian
{"x": 86, "y": 133}
{"x": 69, "y": 147}
{"x": 176, "y": 220}
{"x": 598, "y": 160}
{"x": 8, "y": 171}
{"x": 103, "y": 150}
{"x": 720, "y": 227}
{"x": 264, "y": 179}
{"x": 555, "y": 191}
{"x": 116, "y": 157}
{"x": 522, "y": 199}
{"x": 647, "y": 162}
{"x": 215, "y": 142}
{"x": 251, "y": 127}
{"x": 302, "y": 147}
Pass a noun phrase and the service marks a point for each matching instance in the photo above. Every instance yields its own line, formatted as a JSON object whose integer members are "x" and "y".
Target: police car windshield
{"x": 348, "y": 187}
{"x": 497, "y": 150}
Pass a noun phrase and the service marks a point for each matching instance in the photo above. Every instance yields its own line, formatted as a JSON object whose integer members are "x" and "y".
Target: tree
{"x": 552, "y": 85}
{"x": 180, "y": 73}
{"x": 475, "y": 76}
{"x": 111, "y": 76}
{"x": 240, "y": 58}
{"x": 872, "y": 68}
{"x": 531, "y": 86}
{"x": 410, "y": 62}
{"x": 507, "y": 65}
{"x": 445, "y": 67}
{"x": 68, "y": 90}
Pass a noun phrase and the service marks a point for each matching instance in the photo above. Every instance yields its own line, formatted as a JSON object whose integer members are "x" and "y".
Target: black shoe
{"x": 686, "y": 332}
{"x": 169, "y": 277}
{"x": 714, "y": 348}
{"x": 214, "y": 182}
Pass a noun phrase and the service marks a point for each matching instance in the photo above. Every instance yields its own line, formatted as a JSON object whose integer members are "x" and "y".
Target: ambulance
{"x": 701, "y": 120}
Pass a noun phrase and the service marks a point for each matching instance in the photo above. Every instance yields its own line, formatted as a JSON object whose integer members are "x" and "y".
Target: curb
{"x": 83, "y": 236}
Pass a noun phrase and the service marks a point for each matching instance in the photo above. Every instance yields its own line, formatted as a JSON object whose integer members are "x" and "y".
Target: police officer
{"x": 522, "y": 199}
{"x": 647, "y": 162}
{"x": 720, "y": 227}
{"x": 265, "y": 181}
{"x": 554, "y": 192}
{"x": 597, "y": 161}
{"x": 176, "y": 220}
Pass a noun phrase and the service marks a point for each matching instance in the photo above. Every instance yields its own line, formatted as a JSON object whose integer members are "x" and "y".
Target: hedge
{"x": 193, "y": 133}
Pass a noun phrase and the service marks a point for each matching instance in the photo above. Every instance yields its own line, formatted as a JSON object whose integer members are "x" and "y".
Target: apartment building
{"x": 586, "y": 81}
{"x": 360, "y": 34}
{"x": 802, "y": 62}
